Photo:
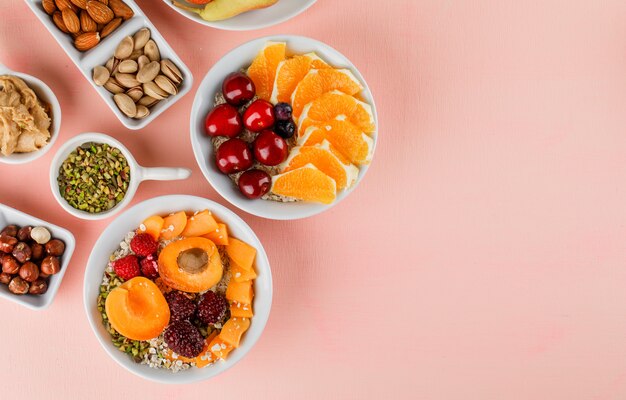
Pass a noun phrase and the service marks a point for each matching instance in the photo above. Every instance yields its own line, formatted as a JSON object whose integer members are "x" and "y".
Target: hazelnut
{"x": 55, "y": 247}
{"x": 18, "y": 286}
{"x": 50, "y": 265}
{"x": 23, "y": 234}
{"x": 10, "y": 265}
{"x": 40, "y": 286}
{"x": 5, "y": 278}
{"x": 29, "y": 272}
{"x": 40, "y": 235}
{"x": 38, "y": 251}
{"x": 22, "y": 252}
{"x": 43, "y": 275}
{"x": 10, "y": 230}
{"x": 7, "y": 243}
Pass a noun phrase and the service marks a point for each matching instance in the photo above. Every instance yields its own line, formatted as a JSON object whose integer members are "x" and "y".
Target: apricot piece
{"x": 191, "y": 265}
{"x": 173, "y": 225}
{"x": 241, "y": 275}
{"x": 240, "y": 291}
{"x": 137, "y": 309}
{"x": 219, "y": 348}
{"x": 233, "y": 329}
{"x": 152, "y": 226}
{"x": 241, "y": 253}
{"x": 241, "y": 310}
{"x": 219, "y": 236}
{"x": 200, "y": 224}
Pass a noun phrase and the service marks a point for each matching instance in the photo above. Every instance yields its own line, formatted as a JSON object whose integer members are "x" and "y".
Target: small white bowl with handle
{"x": 46, "y": 95}
{"x": 138, "y": 174}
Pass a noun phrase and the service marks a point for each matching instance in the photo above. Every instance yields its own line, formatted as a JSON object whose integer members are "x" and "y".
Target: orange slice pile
{"x": 263, "y": 69}
{"x": 306, "y": 183}
{"x": 290, "y": 72}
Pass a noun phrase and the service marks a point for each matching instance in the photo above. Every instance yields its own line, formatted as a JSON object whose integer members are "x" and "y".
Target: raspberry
{"x": 149, "y": 267}
{"x": 144, "y": 245}
{"x": 181, "y": 307}
{"x": 212, "y": 308}
{"x": 184, "y": 339}
{"x": 127, "y": 267}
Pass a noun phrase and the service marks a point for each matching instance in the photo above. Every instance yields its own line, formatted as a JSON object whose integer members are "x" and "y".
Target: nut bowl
{"x": 9, "y": 216}
{"x": 109, "y": 241}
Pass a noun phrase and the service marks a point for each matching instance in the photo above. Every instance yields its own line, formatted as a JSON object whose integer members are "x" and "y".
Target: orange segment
{"x": 152, "y": 226}
{"x": 241, "y": 253}
{"x": 263, "y": 69}
{"x": 233, "y": 329}
{"x": 290, "y": 72}
{"x": 173, "y": 225}
{"x": 219, "y": 236}
{"x": 306, "y": 183}
{"x": 326, "y": 160}
{"x": 200, "y": 224}
{"x": 337, "y": 105}
{"x": 317, "y": 82}
{"x": 351, "y": 142}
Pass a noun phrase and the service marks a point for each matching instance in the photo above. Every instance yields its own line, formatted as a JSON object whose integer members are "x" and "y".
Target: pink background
{"x": 483, "y": 257}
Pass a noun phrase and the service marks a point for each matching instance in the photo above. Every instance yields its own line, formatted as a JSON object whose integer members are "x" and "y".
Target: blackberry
{"x": 212, "y": 308}
{"x": 184, "y": 339}
{"x": 181, "y": 307}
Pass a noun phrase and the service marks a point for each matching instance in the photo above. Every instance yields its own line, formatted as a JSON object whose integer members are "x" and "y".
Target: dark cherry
{"x": 254, "y": 183}
{"x": 269, "y": 148}
{"x": 283, "y": 111}
{"x": 285, "y": 129}
{"x": 223, "y": 120}
{"x": 259, "y": 115}
{"x": 232, "y": 156}
{"x": 238, "y": 89}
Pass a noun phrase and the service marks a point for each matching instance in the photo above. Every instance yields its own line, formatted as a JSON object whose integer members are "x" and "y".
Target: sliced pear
{"x": 219, "y": 10}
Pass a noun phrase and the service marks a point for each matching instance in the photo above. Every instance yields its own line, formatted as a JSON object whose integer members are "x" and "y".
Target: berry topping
{"x": 149, "y": 267}
{"x": 285, "y": 129}
{"x": 254, "y": 183}
{"x": 233, "y": 155}
{"x": 238, "y": 89}
{"x": 212, "y": 308}
{"x": 127, "y": 267}
{"x": 181, "y": 307}
{"x": 259, "y": 115}
{"x": 223, "y": 120}
{"x": 282, "y": 111}
{"x": 269, "y": 148}
{"x": 184, "y": 339}
{"x": 143, "y": 244}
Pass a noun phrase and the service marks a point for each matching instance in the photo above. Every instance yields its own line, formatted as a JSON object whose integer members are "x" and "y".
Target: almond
{"x": 87, "y": 23}
{"x": 120, "y": 9}
{"x": 110, "y": 27}
{"x": 63, "y": 4}
{"x": 49, "y": 6}
{"x": 105, "y": 2}
{"x": 99, "y": 12}
{"x": 82, "y": 4}
{"x": 57, "y": 18}
{"x": 72, "y": 23}
{"x": 87, "y": 41}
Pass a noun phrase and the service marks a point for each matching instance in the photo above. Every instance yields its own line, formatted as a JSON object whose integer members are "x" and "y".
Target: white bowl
{"x": 256, "y": 19}
{"x": 130, "y": 220}
{"x": 137, "y": 174}
{"x": 46, "y": 95}
{"x": 242, "y": 57}
{"x": 10, "y": 216}
{"x": 87, "y": 61}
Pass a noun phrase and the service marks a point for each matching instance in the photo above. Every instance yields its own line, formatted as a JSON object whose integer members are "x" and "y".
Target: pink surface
{"x": 482, "y": 257}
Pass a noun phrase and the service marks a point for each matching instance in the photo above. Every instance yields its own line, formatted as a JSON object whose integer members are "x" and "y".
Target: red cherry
{"x": 254, "y": 183}
{"x": 223, "y": 120}
{"x": 238, "y": 88}
{"x": 233, "y": 155}
{"x": 259, "y": 115}
{"x": 269, "y": 148}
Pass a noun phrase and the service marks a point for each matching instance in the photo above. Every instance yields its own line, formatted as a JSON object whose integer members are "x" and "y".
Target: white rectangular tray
{"x": 86, "y": 61}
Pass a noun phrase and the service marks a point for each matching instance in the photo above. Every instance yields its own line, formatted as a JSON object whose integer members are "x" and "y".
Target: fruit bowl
{"x": 110, "y": 240}
{"x": 239, "y": 58}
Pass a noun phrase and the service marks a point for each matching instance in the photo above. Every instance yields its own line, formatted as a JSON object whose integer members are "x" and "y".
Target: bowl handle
{"x": 165, "y": 174}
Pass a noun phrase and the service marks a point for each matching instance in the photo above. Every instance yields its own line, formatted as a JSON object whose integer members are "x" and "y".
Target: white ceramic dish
{"x": 137, "y": 173}
{"x": 242, "y": 57}
{"x": 256, "y": 19}
{"x": 46, "y": 95}
{"x": 87, "y": 61}
{"x": 10, "y": 216}
{"x": 130, "y": 220}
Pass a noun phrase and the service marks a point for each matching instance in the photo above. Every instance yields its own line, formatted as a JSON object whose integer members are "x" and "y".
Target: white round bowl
{"x": 138, "y": 174}
{"x": 130, "y": 220}
{"x": 256, "y": 19}
{"x": 47, "y": 96}
{"x": 242, "y": 57}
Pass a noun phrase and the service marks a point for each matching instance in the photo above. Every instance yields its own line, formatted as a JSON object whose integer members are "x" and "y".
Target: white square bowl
{"x": 88, "y": 60}
{"x": 10, "y": 216}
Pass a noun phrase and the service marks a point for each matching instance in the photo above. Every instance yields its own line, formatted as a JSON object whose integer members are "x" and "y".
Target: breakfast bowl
{"x": 45, "y": 94}
{"x": 322, "y": 138}
{"x": 103, "y": 310}
{"x": 11, "y": 216}
{"x": 249, "y": 20}
{"x": 134, "y": 174}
